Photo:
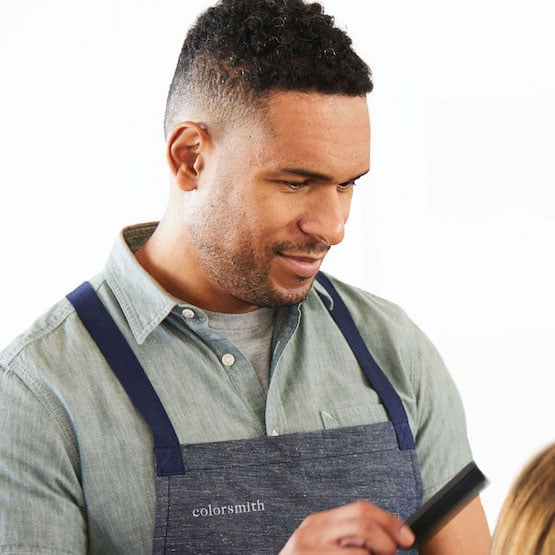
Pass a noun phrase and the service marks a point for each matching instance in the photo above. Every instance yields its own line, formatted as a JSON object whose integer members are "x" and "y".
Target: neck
{"x": 171, "y": 260}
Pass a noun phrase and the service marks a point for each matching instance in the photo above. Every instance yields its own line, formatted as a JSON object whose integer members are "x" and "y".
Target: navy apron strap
{"x": 378, "y": 380}
{"x": 128, "y": 369}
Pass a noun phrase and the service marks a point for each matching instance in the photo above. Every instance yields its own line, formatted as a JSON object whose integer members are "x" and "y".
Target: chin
{"x": 272, "y": 293}
{"x": 287, "y": 296}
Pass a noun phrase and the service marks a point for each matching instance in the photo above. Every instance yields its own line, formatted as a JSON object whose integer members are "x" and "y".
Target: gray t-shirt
{"x": 76, "y": 459}
{"x": 251, "y": 332}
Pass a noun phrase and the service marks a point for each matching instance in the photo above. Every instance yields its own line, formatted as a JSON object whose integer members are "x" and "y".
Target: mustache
{"x": 308, "y": 248}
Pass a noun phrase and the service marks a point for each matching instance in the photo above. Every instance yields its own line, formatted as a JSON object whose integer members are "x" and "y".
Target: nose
{"x": 325, "y": 215}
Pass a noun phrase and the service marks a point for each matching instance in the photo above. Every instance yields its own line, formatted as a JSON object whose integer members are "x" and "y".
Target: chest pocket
{"x": 353, "y": 416}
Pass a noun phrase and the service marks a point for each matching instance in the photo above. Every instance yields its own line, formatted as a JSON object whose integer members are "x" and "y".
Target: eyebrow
{"x": 318, "y": 176}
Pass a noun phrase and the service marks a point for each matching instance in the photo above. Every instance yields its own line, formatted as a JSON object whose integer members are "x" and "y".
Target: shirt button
{"x": 188, "y": 313}
{"x": 228, "y": 359}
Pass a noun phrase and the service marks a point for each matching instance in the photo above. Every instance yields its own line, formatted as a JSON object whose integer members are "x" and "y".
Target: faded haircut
{"x": 240, "y": 51}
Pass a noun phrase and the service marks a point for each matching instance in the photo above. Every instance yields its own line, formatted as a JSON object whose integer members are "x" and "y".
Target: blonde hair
{"x": 526, "y": 524}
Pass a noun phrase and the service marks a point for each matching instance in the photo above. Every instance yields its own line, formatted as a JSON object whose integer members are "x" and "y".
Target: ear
{"x": 186, "y": 147}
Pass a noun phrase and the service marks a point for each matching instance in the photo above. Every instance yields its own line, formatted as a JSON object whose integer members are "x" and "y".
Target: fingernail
{"x": 406, "y": 535}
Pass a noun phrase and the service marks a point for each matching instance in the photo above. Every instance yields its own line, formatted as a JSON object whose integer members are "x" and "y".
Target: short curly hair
{"x": 240, "y": 51}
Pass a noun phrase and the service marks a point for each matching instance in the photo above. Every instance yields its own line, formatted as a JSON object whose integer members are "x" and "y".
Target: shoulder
{"x": 46, "y": 342}
{"x": 377, "y": 317}
{"x": 360, "y": 301}
{"x": 44, "y": 329}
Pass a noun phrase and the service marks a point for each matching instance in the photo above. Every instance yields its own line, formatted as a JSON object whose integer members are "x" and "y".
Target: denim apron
{"x": 248, "y": 496}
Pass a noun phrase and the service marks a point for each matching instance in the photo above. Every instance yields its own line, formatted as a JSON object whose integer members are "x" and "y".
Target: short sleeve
{"x": 41, "y": 501}
{"x": 441, "y": 436}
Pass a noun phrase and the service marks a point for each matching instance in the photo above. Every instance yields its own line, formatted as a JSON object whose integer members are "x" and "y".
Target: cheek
{"x": 279, "y": 211}
{"x": 240, "y": 222}
{"x": 347, "y": 205}
{"x": 261, "y": 214}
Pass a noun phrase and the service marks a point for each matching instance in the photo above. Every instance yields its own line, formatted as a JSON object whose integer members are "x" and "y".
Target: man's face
{"x": 273, "y": 198}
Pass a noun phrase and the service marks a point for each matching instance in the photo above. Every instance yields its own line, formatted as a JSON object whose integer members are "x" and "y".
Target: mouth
{"x": 303, "y": 266}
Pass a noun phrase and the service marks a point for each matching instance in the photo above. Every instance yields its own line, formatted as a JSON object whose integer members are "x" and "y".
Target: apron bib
{"x": 248, "y": 496}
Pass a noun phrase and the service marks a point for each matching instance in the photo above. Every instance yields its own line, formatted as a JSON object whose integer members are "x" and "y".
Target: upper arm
{"x": 467, "y": 532}
{"x": 41, "y": 501}
{"x": 440, "y": 424}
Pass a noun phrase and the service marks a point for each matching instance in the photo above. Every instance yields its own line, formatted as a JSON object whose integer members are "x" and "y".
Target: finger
{"x": 393, "y": 526}
{"x": 367, "y": 520}
{"x": 360, "y": 524}
{"x": 371, "y": 537}
{"x": 330, "y": 533}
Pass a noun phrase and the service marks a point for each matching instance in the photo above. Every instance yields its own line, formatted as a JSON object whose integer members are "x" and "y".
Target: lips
{"x": 302, "y": 266}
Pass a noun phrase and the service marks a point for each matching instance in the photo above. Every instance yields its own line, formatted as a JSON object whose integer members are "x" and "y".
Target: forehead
{"x": 331, "y": 132}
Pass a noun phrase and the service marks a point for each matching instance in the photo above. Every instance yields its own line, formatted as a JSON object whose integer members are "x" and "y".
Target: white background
{"x": 456, "y": 222}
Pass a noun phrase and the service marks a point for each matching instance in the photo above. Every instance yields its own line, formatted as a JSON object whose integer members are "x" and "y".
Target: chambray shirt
{"x": 76, "y": 459}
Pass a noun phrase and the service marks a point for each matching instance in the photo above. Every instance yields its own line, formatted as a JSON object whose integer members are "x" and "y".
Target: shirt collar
{"x": 324, "y": 295}
{"x": 143, "y": 301}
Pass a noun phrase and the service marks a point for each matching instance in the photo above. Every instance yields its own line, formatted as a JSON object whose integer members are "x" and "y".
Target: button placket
{"x": 228, "y": 359}
{"x": 188, "y": 313}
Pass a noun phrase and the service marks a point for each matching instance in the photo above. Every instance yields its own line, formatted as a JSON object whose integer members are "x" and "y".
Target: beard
{"x": 246, "y": 274}
{"x": 232, "y": 253}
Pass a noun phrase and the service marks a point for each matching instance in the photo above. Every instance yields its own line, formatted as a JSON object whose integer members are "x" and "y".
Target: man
{"x": 246, "y": 407}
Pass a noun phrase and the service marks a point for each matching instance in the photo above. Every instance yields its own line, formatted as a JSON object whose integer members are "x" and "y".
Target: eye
{"x": 294, "y": 185}
{"x": 347, "y": 185}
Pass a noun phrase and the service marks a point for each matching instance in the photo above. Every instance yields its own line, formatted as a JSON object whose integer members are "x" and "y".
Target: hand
{"x": 356, "y": 528}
